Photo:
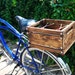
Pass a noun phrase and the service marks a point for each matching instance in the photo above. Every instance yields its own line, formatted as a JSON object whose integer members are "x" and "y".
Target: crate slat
{"x": 53, "y": 35}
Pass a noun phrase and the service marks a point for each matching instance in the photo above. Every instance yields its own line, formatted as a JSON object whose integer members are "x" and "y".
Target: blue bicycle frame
{"x": 10, "y": 28}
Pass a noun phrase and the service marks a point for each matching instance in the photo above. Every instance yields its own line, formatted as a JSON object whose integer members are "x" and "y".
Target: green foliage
{"x": 69, "y": 58}
{"x": 38, "y": 9}
{"x": 64, "y": 10}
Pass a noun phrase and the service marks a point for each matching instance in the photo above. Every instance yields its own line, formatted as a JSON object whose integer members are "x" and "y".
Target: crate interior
{"x": 52, "y": 24}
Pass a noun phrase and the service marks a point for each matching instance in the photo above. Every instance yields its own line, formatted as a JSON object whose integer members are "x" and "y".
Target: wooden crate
{"x": 56, "y": 36}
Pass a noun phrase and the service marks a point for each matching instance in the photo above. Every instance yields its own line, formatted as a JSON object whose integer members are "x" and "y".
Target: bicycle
{"x": 33, "y": 60}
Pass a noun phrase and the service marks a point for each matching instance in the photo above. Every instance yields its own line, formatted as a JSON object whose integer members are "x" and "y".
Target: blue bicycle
{"x": 33, "y": 60}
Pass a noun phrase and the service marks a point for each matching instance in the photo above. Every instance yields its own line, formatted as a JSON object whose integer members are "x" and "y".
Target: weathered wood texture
{"x": 53, "y": 35}
{"x": 7, "y": 66}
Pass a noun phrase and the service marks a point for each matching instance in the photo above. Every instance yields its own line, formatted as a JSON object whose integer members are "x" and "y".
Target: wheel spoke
{"x": 36, "y": 60}
{"x": 53, "y": 70}
{"x": 47, "y": 60}
{"x": 42, "y": 57}
{"x": 47, "y": 64}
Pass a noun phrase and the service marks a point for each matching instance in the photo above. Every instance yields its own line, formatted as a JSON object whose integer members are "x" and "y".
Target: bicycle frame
{"x": 10, "y": 28}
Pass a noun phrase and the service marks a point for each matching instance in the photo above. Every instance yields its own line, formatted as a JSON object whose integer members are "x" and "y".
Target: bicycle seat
{"x": 23, "y": 22}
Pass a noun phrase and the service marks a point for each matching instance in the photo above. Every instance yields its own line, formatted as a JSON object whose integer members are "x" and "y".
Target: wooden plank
{"x": 47, "y": 49}
{"x": 21, "y": 72}
{"x": 45, "y": 40}
{"x": 18, "y": 71}
{"x": 74, "y": 29}
{"x": 3, "y": 65}
{"x": 65, "y": 50}
{"x": 3, "y": 58}
{"x": 57, "y": 21}
{"x": 7, "y": 69}
{"x": 68, "y": 39}
{"x": 7, "y": 66}
{"x": 66, "y": 29}
{"x": 44, "y": 31}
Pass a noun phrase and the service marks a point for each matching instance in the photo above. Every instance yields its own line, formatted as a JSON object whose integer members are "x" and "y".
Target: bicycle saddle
{"x": 23, "y": 22}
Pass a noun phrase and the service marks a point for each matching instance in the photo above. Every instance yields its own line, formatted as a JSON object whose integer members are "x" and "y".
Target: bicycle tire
{"x": 52, "y": 65}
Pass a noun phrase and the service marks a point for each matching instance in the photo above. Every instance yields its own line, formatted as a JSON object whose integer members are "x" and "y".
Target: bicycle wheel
{"x": 47, "y": 63}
